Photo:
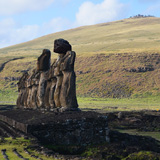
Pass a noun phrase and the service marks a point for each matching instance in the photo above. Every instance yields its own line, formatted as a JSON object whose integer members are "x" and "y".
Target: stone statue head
{"x": 43, "y": 62}
{"x": 61, "y": 46}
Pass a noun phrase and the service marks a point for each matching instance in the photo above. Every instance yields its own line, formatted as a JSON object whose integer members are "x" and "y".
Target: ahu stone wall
{"x": 83, "y": 131}
{"x": 69, "y": 128}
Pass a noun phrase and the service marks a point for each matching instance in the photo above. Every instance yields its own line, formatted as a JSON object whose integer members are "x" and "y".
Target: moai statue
{"x": 50, "y": 89}
{"x": 43, "y": 66}
{"x": 29, "y": 91}
{"x": 34, "y": 89}
{"x": 22, "y": 91}
{"x": 65, "y": 91}
{"x": 47, "y": 91}
{"x": 68, "y": 90}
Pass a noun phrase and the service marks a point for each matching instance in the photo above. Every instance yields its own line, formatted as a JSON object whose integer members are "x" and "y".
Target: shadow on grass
{"x": 6, "y": 107}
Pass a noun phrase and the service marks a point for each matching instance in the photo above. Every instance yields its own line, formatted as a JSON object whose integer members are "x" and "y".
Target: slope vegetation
{"x": 116, "y": 59}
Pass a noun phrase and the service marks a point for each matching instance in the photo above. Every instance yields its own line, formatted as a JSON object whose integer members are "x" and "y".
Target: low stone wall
{"x": 73, "y": 132}
{"x": 15, "y": 124}
{"x": 78, "y": 128}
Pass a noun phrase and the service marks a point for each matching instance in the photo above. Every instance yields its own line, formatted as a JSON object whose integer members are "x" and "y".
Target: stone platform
{"x": 67, "y": 128}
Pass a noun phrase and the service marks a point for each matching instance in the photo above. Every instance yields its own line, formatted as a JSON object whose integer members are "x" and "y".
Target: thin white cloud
{"x": 11, "y": 33}
{"x": 9, "y": 7}
{"x": 6, "y": 28}
{"x": 109, "y": 10}
{"x": 55, "y": 25}
{"x": 6, "y": 25}
{"x": 24, "y": 33}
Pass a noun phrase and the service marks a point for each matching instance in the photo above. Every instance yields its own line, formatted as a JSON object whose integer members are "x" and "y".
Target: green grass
{"x": 8, "y": 96}
{"x": 124, "y": 104}
{"x": 155, "y": 135}
{"x": 143, "y": 155}
{"x": 19, "y": 144}
{"x": 104, "y": 104}
{"x": 10, "y": 144}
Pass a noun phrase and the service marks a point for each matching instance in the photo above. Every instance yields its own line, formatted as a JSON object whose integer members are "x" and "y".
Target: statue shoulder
{"x": 71, "y": 53}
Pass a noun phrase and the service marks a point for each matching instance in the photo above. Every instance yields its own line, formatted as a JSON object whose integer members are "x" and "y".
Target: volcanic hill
{"x": 116, "y": 59}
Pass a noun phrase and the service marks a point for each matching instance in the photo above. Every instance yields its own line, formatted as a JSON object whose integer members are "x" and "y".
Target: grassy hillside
{"x": 116, "y": 59}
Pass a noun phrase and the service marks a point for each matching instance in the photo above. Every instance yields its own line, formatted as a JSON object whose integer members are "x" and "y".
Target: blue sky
{"x": 24, "y": 20}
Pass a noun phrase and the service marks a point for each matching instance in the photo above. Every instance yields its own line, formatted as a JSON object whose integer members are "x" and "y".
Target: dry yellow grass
{"x": 128, "y": 35}
{"x": 104, "y": 53}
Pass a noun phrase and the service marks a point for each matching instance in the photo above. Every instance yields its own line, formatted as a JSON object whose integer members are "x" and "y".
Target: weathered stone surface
{"x": 42, "y": 89}
{"x": 22, "y": 95}
{"x": 47, "y": 93}
{"x": 68, "y": 90}
{"x": 67, "y": 128}
{"x": 43, "y": 62}
{"x": 74, "y": 132}
{"x": 31, "y": 89}
{"x": 51, "y": 87}
{"x": 52, "y": 80}
{"x": 65, "y": 91}
{"x": 61, "y": 46}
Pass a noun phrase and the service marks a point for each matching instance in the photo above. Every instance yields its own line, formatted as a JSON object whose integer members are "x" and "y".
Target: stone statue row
{"x": 50, "y": 87}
